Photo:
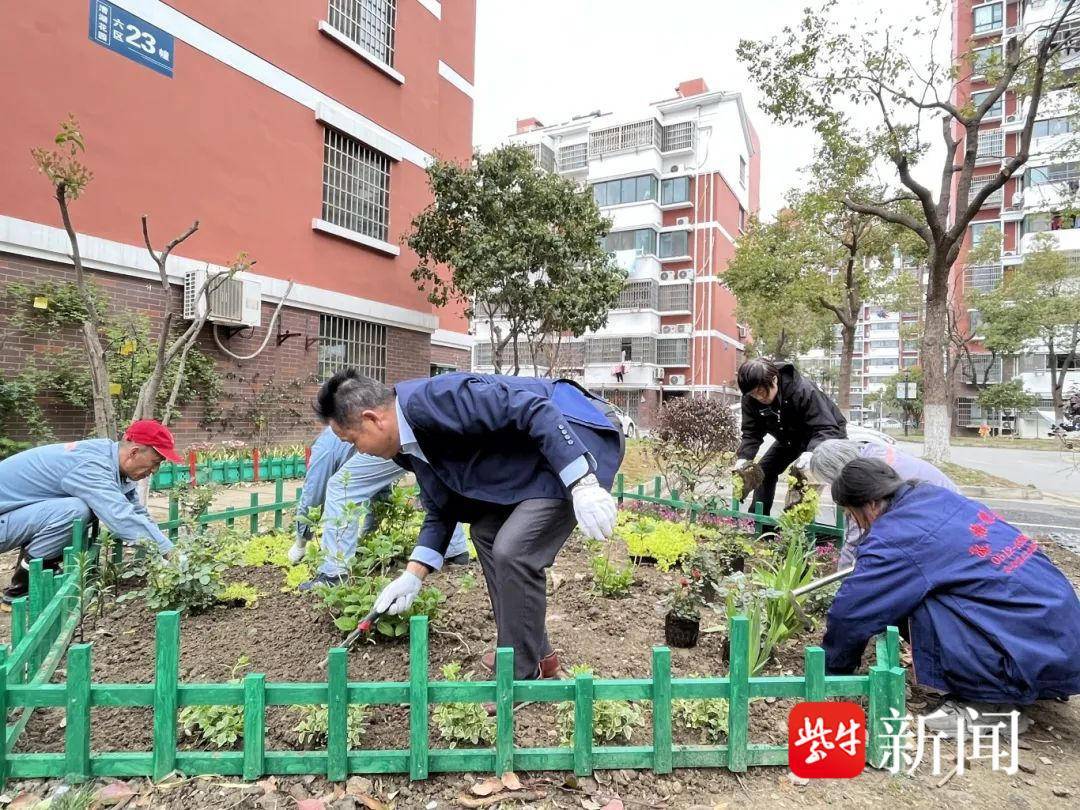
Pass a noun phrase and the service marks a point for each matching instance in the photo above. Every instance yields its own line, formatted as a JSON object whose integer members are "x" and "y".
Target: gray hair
{"x": 348, "y": 393}
{"x": 830, "y": 457}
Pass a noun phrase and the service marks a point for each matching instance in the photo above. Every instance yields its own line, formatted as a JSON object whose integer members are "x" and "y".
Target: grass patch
{"x": 638, "y": 467}
{"x": 996, "y": 442}
{"x": 965, "y": 476}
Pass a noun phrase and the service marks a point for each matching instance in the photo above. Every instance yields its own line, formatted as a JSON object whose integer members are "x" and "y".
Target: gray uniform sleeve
{"x": 94, "y": 483}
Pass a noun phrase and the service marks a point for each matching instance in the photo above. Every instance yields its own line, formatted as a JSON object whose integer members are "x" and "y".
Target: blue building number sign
{"x": 123, "y": 32}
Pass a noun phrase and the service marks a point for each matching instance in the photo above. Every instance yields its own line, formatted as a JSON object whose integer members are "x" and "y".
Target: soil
{"x": 286, "y": 635}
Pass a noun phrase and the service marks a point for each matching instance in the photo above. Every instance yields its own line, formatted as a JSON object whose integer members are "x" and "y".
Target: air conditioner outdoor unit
{"x": 666, "y": 275}
{"x": 677, "y": 379}
{"x": 685, "y": 274}
{"x": 1017, "y": 199}
{"x": 666, "y": 329}
{"x": 682, "y": 328}
{"x": 233, "y": 301}
{"x": 682, "y": 220}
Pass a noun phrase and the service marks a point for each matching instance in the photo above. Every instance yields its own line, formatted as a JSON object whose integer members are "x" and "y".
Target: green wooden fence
{"x": 43, "y": 624}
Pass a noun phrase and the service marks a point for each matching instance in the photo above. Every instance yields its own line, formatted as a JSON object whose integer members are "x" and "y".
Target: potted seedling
{"x": 683, "y": 620}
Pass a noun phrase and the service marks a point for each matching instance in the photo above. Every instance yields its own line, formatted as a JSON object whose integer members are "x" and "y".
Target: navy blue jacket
{"x": 991, "y": 618}
{"x": 500, "y": 440}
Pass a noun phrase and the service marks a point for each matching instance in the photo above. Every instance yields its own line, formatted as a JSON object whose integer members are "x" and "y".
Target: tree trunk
{"x": 1057, "y": 380}
{"x": 937, "y": 420}
{"x": 843, "y": 396}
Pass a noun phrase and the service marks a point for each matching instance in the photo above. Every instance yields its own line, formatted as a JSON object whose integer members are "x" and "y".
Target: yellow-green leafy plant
{"x": 314, "y": 723}
{"x": 610, "y": 578}
{"x": 612, "y": 719}
{"x": 796, "y": 518}
{"x": 662, "y": 540}
{"x": 708, "y": 716}
{"x": 241, "y": 592}
{"x": 267, "y": 549}
{"x": 462, "y": 722}
{"x": 219, "y": 726}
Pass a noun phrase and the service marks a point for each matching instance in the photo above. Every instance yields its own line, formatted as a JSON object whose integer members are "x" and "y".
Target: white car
{"x": 629, "y": 429}
{"x": 861, "y": 433}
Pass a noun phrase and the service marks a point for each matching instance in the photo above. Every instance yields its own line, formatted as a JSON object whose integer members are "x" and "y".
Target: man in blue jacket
{"x": 993, "y": 624}
{"x": 336, "y": 476}
{"x": 522, "y": 460}
{"x": 44, "y": 490}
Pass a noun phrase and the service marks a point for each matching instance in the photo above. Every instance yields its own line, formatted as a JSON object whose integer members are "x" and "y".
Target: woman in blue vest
{"x": 993, "y": 624}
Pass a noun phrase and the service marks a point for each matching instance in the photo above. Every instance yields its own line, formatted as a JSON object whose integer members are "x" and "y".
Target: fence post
{"x": 877, "y": 714}
{"x": 583, "y": 724}
{"x": 657, "y": 486}
{"x": 337, "y": 715}
{"x": 504, "y": 710}
{"x": 3, "y": 716}
{"x": 78, "y": 535}
{"x": 758, "y": 513}
{"x": 620, "y": 486}
{"x": 18, "y": 632}
{"x": 37, "y": 593}
{"x": 739, "y": 700}
{"x": 892, "y": 647}
{"x": 253, "y": 521}
{"x": 230, "y": 521}
{"x": 254, "y": 725}
{"x": 418, "y": 697}
{"x": 174, "y": 517}
{"x": 255, "y": 463}
{"x": 77, "y": 732}
{"x": 814, "y": 673}
{"x": 279, "y": 497}
{"x": 165, "y": 682}
{"x": 193, "y": 469}
{"x": 661, "y": 706}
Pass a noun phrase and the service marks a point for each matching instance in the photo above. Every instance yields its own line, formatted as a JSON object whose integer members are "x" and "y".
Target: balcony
{"x": 674, "y": 298}
{"x": 991, "y": 147}
{"x": 640, "y": 294}
{"x": 626, "y": 138}
{"x": 573, "y": 158}
{"x": 1066, "y": 239}
{"x": 635, "y": 375}
{"x": 543, "y": 156}
{"x": 994, "y": 200}
{"x": 985, "y": 278}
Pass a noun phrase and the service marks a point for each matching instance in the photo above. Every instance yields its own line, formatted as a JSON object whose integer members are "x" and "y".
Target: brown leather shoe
{"x": 549, "y": 666}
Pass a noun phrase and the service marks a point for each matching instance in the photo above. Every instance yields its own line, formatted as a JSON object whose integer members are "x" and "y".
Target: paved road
{"x": 1048, "y": 471}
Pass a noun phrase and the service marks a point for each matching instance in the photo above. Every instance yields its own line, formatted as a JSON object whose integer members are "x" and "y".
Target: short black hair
{"x": 754, "y": 374}
{"x": 864, "y": 481}
{"x": 349, "y": 392}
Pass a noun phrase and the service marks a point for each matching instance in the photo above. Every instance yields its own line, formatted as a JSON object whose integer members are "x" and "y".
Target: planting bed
{"x": 286, "y": 635}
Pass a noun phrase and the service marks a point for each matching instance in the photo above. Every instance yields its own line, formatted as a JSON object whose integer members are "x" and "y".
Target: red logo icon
{"x": 827, "y": 740}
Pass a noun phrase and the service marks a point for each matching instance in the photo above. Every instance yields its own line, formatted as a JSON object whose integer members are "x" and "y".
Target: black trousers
{"x": 778, "y": 458}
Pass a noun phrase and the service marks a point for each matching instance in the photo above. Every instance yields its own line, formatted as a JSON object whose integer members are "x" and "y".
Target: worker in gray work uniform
{"x": 44, "y": 490}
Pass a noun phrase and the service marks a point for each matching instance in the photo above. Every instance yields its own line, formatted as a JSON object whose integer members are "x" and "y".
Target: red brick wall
{"x": 461, "y": 358}
{"x": 266, "y": 399}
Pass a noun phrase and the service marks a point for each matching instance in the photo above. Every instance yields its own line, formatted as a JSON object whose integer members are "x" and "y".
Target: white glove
{"x": 803, "y": 462}
{"x": 398, "y": 596}
{"x": 594, "y": 508}
{"x": 296, "y": 551}
{"x": 742, "y": 462}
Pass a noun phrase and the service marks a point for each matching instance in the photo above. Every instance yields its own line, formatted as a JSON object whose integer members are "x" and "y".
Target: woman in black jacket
{"x": 778, "y": 401}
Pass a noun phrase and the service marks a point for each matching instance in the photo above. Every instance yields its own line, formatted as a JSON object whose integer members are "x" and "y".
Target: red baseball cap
{"x": 152, "y": 433}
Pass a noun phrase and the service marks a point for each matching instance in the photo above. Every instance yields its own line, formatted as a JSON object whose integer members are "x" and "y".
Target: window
{"x": 574, "y": 156}
{"x": 742, "y": 170}
{"x": 441, "y": 368}
{"x": 677, "y": 136}
{"x": 909, "y": 362}
{"x": 626, "y": 190}
{"x": 643, "y": 239}
{"x": 615, "y": 350}
{"x": 674, "y": 297}
{"x": 887, "y": 326}
{"x": 673, "y": 243}
{"x": 995, "y": 109}
{"x": 675, "y": 190}
{"x": 638, "y": 295}
{"x": 987, "y": 18}
{"x": 884, "y": 344}
{"x": 349, "y": 343}
{"x": 742, "y": 220}
{"x": 673, "y": 351}
{"x": 356, "y": 186}
{"x": 1056, "y": 173}
{"x": 982, "y": 278}
{"x": 981, "y": 58}
{"x": 368, "y": 23}
{"x": 880, "y": 362}
{"x": 991, "y": 144}
{"x": 1052, "y": 126}
{"x": 984, "y": 230}
{"x": 979, "y": 365}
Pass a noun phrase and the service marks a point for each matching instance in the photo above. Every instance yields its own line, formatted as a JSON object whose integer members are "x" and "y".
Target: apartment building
{"x": 298, "y": 132}
{"x": 678, "y": 178}
{"x": 1038, "y": 199}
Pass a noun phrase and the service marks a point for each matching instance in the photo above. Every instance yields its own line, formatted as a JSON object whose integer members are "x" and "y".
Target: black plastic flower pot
{"x": 680, "y": 632}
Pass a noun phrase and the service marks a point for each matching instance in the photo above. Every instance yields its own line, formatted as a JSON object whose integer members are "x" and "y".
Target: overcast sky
{"x": 558, "y": 58}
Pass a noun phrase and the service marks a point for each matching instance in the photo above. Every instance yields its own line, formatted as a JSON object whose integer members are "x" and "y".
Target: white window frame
{"x": 343, "y": 35}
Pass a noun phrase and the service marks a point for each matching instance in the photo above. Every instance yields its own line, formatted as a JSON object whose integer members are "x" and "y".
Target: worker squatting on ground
{"x": 521, "y": 460}
{"x": 336, "y": 476}
{"x": 832, "y": 455}
{"x": 993, "y": 624}
{"x": 778, "y": 401}
{"x": 44, "y": 490}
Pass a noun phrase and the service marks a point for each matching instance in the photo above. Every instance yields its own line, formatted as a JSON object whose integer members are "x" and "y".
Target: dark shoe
{"x": 459, "y": 559}
{"x": 549, "y": 665}
{"x": 20, "y": 576}
{"x": 322, "y": 581}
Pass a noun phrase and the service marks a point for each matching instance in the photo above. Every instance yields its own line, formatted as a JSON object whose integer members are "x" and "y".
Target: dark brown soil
{"x": 286, "y": 636}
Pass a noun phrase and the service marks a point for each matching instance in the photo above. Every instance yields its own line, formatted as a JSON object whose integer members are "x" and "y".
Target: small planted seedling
{"x": 315, "y": 722}
{"x": 612, "y": 719}
{"x": 609, "y": 578}
{"x": 462, "y": 722}
{"x": 219, "y": 726}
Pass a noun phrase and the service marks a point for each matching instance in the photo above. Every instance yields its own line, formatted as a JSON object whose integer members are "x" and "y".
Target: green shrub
{"x": 241, "y": 592}
{"x": 267, "y": 549}
{"x": 315, "y": 722}
{"x": 354, "y": 598}
{"x": 462, "y": 722}
{"x": 665, "y": 542}
{"x": 188, "y": 578}
{"x": 612, "y": 719}
{"x": 609, "y": 578}
{"x": 708, "y": 716}
{"x": 219, "y": 726}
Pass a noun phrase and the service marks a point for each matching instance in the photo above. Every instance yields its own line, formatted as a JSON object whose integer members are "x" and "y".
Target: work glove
{"x": 398, "y": 596}
{"x": 740, "y": 464}
{"x": 296, "y": 551}
{"x": 802, "y": 463}
{"x": 594, "y": 508}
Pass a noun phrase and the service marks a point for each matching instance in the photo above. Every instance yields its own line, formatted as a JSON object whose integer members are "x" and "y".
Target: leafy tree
{"x": 523, "y": 251}
{"x": 1037, "y": 302}
{"x": 910, "y": 408}
{"x": 837, "y": 58}
{"x": 1009, "y": 396}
